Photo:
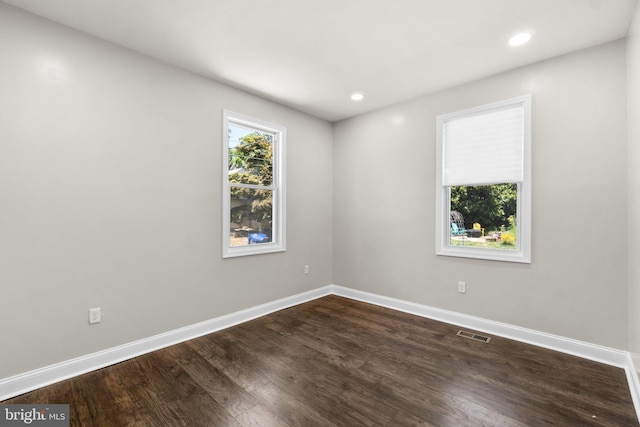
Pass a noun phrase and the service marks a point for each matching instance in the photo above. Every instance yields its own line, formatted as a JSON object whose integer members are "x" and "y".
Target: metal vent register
{"x": 473, "y": 336}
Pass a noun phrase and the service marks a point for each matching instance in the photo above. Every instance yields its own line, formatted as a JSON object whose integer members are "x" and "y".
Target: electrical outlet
{"x": 94, "y": 315}
{"x": 462, "y": 287}
{"x": 306, "y": 269}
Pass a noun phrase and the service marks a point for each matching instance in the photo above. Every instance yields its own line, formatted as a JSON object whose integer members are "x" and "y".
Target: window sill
{"x": 485, "y": 254}
{"x": 258, "y": 249}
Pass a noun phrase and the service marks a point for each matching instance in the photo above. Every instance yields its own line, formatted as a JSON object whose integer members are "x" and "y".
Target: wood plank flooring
{"x": 339, "y": 362}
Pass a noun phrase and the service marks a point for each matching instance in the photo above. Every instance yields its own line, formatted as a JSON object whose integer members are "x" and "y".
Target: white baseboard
{"x": 634, "y": 384}
{"x": 23, "y": 383}
{"x": 597, "y": 353}
{"x": 582, "y": 349}
{"x": 29, "y": 381}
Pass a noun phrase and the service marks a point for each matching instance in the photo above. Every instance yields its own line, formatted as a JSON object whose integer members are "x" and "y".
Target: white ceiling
{"x": 312, "y": 54}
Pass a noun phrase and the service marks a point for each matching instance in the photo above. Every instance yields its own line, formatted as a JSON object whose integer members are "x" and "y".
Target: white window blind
{"x": 484, "y": 148}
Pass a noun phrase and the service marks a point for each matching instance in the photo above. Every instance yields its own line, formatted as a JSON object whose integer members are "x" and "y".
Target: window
{"x": 483, "y": 182}
{"x": 253, "y": 219}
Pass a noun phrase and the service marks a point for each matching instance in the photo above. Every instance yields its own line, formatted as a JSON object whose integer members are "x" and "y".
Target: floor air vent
{"x": 473, "y": 336}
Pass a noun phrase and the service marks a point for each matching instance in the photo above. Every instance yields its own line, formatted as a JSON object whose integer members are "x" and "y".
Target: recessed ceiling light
{"x": 357, "y": 96}
{"x": 519, "y": 39}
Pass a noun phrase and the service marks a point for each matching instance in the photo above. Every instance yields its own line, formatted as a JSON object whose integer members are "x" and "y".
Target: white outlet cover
{"x": 94, "y": 315}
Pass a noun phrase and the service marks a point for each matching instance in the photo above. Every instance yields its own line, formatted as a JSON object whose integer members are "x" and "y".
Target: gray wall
{"x": 633, "y": 135}
{"x": 110, "y": 186}
{"x": 576, "y": 285}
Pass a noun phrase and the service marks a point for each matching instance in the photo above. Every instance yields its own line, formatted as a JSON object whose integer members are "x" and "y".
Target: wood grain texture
{"x": 339, "y": 362}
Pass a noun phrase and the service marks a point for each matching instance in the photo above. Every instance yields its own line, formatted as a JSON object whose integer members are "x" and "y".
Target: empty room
{"x": 320, "y": 213}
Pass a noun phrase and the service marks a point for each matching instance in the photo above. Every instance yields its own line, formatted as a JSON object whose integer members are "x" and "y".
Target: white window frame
{"x": 278, "y": 186}
{"x": 522, "y": 254}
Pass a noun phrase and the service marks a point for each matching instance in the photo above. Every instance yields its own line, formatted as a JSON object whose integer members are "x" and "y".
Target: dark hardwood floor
{"x": 335, "y": 361}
